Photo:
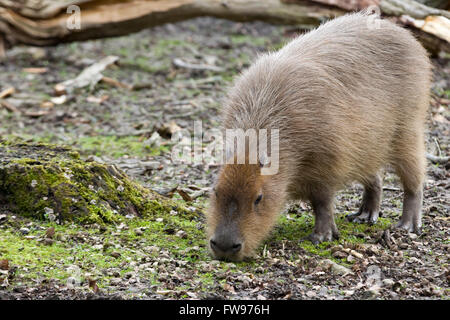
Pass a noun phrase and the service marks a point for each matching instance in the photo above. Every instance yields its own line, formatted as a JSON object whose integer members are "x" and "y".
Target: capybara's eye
{"x": 258, "y": 199}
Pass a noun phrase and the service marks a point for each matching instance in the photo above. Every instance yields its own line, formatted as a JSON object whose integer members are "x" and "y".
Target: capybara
{"x": 348, "y": 98}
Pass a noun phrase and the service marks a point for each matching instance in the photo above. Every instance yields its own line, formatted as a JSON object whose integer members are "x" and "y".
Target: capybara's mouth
{"x": 228, "y": 257}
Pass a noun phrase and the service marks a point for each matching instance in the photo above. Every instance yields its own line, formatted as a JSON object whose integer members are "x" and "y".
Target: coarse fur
{"x": 348, "y": 99}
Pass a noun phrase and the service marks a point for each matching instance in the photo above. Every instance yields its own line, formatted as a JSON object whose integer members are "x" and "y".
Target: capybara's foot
{"x": 369, "y": 216}
{"x": 409, "y": 226}
{"x": 370, "y": 207}
{"x": 411, "y": 218}
{"x": 316, "y": 237}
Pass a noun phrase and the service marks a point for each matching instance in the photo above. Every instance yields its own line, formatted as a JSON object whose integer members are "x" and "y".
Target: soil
{"x": 118, "y": 125}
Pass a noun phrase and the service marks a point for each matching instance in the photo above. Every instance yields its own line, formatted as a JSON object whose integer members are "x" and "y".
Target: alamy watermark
{"x": 74, "y": 20}
{"x": 231, "y": 146}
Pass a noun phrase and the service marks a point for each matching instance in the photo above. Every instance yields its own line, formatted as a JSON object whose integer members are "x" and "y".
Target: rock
{"x": 182, "y": 234}
{"x": 115, "y": 281}
{"x": 48, "y": 241}
{"x": 373, "y": 292}
{"x": 37, "y": 180}
{"x": 388, "y": 283}
{"x": 356, "y": 254}
{"x": 336, "y": 268}
{"x": 412, "y": 236}
{"x": 115, "y": 255}
{"x": 340, "y": 254}
{"x": 24, "y": 230}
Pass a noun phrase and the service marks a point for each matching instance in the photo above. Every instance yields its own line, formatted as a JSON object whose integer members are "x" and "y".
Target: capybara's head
{"x": 243, "y": 208}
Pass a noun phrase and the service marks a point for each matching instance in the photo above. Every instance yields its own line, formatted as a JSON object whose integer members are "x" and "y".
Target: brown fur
{"x": 347, "y": 100}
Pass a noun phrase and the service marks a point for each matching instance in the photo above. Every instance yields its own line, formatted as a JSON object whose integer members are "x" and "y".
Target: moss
{"x": 296, "y": 228}
{"x": 53, "y": 181}
{"x": 116, "y": 146}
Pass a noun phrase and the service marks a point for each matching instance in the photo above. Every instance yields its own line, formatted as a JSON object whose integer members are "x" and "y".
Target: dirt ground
{"x": 117, "y": 125}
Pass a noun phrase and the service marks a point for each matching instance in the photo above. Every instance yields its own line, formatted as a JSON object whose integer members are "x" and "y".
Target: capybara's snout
{"x": 226, "y": 244}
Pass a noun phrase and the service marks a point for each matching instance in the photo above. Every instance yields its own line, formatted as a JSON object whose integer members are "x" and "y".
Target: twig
{"x": 391, "y": 189}
{"x": 182, "y": 64}
{"x": 438, "y": 160}
{"x": 115, "y": 83}
{"x": 8, "y": 106}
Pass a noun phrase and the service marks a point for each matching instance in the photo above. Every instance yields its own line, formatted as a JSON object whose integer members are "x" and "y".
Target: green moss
{"x": 116, "y": 146}
{"x": 296, "y": 228}
{"x": 244, "y": 39}
{"x": 55, "y": 181}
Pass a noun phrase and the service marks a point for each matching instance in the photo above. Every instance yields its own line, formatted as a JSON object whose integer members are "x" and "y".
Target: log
{"x": 49, "y": 22}
{"x": 52, "y": 182}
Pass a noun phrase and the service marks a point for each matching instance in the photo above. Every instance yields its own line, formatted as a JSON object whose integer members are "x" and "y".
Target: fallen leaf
{"x": 96, "y": 99}
{"x": 8, "y": 106}
{"x": 194, "y": 66}
{"x": 47, "y": 104}
{"x": 440, "y": 118}
{"x": 115, "y": 83}
{"x": 50, "y": 233}
{"x": 93, "y": 285}
{"x": 229, "y": 288}
{"x": 36, "y": 114}
{"x": 168, "y": 129}
{"x": 59, "y": 100}
{"x": 186, "y": 197}
{"x": 35, "y": 70}
{"x": 4, "y": 264}
{"x": 164, "y": 292}
{"x": 7, "y": 92}
{"x": 115, "y": 255}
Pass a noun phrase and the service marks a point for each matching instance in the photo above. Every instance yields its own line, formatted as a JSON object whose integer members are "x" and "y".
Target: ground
{"x": 164, "y": 256}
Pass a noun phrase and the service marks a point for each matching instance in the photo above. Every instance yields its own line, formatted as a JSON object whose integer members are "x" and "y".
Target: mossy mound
{"x": 52, "y": 182}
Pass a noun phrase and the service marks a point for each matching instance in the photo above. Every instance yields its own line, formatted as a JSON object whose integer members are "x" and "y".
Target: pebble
{"x": 340, "y": 254}
{"x": 388, "y": 283}
{"x": 24, "y": 230}
{"x": 182, "y": 234}
{"x": 48, "y": 241}
{"x": 412, "y": 236}
{"x": 337, "y": 268}
{"x": 115, "y": 255}
{"x": 115, "y": 281}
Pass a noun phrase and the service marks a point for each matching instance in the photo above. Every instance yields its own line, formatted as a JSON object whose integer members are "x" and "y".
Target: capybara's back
{"x": 347, "y": 98}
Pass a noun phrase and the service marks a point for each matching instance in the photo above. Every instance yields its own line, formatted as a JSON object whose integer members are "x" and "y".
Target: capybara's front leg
{"x": 412, "y": 207}
{"x": 325, "y": 228}
{"x": 370, "y": 207}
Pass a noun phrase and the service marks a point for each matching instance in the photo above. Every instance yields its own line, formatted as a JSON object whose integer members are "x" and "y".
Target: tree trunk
{"x": 52, "y": 182}
{"x": 49, "y": 22}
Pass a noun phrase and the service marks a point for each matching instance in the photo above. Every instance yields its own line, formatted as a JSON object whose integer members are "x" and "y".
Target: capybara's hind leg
{"x": 324, "y": 228}
{"x": 370, "y": 207}
{"x": 411, "y": 170}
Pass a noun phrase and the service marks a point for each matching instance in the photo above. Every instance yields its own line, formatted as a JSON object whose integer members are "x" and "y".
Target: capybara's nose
{"x": 225, "y": 247}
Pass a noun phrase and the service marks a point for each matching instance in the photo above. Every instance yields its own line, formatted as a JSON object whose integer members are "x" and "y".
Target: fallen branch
{"x": 47, "y": 22}
{"x": 88, "y": 77}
